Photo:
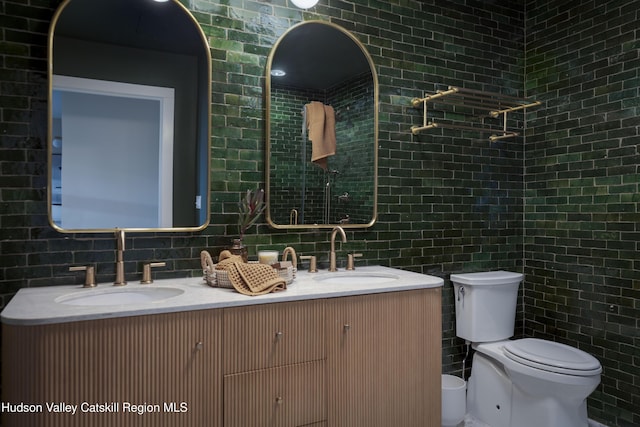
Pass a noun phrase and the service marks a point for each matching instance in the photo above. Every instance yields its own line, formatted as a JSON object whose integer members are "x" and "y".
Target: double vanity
{"x": 350, "y": 348}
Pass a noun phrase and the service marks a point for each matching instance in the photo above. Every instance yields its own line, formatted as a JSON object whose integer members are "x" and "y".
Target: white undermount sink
{"x": 356, "y": 278}
{"x": 119, "y": 296}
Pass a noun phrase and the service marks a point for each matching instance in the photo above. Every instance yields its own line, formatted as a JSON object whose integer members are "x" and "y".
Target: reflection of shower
{"x": 293, "y": 217}
{"x": 303, "y": 162}
{"x": 329, "y": 178}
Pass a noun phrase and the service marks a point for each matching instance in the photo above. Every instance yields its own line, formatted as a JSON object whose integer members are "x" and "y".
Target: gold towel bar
{"x": 478, "y": 98}
{"x": 475, "y": 102}
{"x": 506, "y": 135}
{"x": 416, "y": 102}
{"x": 434, "y": 125}
{"x": 495, "y": 114}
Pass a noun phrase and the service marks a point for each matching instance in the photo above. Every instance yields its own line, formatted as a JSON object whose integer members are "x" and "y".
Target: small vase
{"x": 239, "y": 249}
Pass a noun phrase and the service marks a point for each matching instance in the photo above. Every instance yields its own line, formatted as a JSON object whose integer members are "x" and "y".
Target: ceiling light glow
{"x": 304, "y": 4}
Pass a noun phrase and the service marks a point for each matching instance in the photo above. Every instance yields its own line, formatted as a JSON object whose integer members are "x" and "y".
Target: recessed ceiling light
{"x": 278, "y": 73}
{"x": 304, "y": 4}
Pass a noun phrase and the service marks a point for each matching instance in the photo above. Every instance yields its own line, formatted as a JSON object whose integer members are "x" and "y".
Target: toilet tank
{"x": 486, "y": 305}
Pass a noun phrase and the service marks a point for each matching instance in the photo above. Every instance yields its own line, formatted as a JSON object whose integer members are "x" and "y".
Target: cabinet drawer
{"x": 271, "y": 335}
{"x": 287, "y": 396}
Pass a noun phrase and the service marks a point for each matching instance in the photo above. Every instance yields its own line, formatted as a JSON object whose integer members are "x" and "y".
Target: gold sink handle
{"x": 146, "y": 271}
{"x": 90, "y": 275}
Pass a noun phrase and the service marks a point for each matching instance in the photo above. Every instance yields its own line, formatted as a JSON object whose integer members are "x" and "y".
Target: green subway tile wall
{"x": 581, "y": 216}
{"x": 559, "y": 204}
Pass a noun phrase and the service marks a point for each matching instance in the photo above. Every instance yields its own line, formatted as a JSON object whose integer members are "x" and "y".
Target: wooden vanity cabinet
{"x": 384, "y": 359}
{"x": 171, "y": 360}
{"x": 359, "y": 361}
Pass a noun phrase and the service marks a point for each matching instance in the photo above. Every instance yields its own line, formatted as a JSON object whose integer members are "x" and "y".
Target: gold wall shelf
{"x": 483, "y": 104}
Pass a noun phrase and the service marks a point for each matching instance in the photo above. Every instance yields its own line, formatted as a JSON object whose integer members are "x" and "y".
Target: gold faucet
{"x": 293, "y": 217}
{"x": 294, "y": 258}
{"x": 119, "y": 259}
{"x": 332, "y": 254}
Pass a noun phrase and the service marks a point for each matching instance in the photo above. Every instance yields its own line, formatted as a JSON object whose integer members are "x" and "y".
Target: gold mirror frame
{"x": 268, "y": 161}
{"x": 202, "y": 122}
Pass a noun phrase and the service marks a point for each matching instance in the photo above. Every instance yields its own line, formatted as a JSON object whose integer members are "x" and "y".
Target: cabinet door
{"x": 384, "y": 359}
{"x": 167, "y": 365}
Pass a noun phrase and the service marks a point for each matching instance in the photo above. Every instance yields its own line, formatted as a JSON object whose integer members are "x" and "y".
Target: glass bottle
{"x": 239, "y": 249}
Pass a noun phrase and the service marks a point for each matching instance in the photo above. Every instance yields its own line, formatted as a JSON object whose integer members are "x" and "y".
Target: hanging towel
{"x": 321, "y": 122}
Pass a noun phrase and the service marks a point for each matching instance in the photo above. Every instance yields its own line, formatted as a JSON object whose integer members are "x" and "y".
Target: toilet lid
{"x": 552, "y": 356}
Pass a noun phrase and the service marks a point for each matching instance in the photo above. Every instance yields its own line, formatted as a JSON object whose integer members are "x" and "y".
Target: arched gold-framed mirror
{"x": 319, "y": 71}
{"x": 128, "y": 123}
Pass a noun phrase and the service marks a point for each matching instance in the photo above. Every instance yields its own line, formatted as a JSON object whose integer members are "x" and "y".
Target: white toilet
{"x": 517, "y": 383}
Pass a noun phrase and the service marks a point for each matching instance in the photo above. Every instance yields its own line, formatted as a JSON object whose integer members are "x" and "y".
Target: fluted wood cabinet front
{"x": 269, "y": 335}
{"x": 286, "y": 396}
{"x": 384, "y": 359}
{"x": 167, "y": 365}
{"x": 274, "y": 365}
{"x": 361, "y": 361}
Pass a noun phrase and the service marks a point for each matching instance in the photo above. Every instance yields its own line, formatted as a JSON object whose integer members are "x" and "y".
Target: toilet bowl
{"x": 504, "y": 392}
{"x": 518, "y": 383}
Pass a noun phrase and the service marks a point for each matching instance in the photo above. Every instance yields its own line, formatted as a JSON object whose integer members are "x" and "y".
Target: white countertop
{"x": 33, "y": 306}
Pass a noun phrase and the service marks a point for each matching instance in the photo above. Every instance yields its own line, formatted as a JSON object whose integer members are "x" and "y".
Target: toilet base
{"x": 495, "y": 400}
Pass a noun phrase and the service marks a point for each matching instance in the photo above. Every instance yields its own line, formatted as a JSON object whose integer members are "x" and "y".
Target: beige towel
{"x": 250, "y": 279}
{"x": 321, "y": 122}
